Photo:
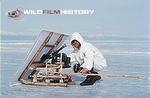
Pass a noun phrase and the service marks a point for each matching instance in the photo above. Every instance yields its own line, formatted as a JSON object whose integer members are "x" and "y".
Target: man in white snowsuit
{"x": 86, "y": 58}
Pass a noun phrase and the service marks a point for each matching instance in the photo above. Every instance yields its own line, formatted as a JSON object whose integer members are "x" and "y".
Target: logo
{"x": 18, "y": 12}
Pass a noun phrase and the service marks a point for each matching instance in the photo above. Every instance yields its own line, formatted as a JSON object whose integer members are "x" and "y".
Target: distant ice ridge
{"x": 17, "y": 43}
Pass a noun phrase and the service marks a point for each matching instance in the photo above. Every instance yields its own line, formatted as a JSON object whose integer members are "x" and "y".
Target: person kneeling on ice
{"x": 86, "y": 59}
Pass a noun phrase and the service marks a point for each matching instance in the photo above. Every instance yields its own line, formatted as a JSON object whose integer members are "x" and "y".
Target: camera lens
{"x": 13, "y": 13}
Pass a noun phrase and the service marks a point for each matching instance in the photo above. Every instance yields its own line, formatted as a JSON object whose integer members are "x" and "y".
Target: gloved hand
{"x": 84, "y": 71}
{"x": 77, "y": 68}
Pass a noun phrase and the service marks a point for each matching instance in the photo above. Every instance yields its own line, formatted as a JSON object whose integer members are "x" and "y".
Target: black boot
{"x": 90, "y": 80}
{"x": 86, "y": 81}
{"x": 97, "y": 77}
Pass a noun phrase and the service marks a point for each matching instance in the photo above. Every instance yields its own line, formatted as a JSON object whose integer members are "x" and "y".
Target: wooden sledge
{"x": 37, "y": 71}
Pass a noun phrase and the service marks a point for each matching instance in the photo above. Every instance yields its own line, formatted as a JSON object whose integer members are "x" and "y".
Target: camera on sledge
{"x": 54, "y": 57}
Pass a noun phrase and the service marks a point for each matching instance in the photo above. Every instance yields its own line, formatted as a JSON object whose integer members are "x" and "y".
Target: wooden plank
{"x": 57, "y": 42}
{"x": 59, "y": 39}
{"x": 43, "y": 83}
{"x": 49, "y": 46}
{"x": 43, "y": 66}
{"x": 52, "y": 76}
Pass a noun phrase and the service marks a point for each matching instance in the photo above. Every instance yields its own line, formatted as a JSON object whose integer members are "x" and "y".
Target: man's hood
{"x": 78, "y": 37}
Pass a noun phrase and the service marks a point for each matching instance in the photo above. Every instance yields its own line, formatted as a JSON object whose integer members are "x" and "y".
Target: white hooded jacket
{"x": 88, "y": 56}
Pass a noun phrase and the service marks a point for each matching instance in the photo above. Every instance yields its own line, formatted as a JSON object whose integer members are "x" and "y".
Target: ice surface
{"x": 124, "y": 57}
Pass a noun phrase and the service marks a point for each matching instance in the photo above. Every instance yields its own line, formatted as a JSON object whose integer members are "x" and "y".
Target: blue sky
{"x": 126, "y": 18}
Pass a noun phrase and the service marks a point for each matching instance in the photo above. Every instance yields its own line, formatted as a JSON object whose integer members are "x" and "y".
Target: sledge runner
{"x": 86, "y": 58}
